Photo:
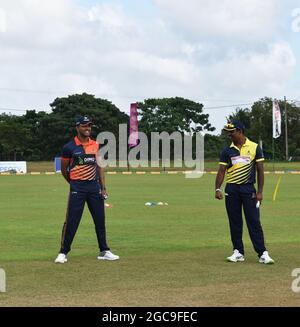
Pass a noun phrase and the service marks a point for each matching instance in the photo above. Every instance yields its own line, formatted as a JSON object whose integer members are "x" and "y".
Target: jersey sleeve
{"x": 224, "y": 158}
{"x": 66, "y": 153}
{"x": 259, "y": 154}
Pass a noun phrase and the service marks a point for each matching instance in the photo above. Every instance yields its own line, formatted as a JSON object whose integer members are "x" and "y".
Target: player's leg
{"x": 96, "y": 206}
{"x": 252, "y": 215}
{"x": 234, "y": 211}
{"x": 74, "y": 213}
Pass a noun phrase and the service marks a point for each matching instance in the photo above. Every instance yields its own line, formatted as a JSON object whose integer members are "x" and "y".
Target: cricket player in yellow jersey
{"x": 241, "y": 161}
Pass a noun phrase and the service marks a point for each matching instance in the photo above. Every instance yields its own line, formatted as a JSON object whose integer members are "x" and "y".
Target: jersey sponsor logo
{"x": 89, "y": 160}
{"x": 244, "y": 160}
{"x": 84, "y": 159}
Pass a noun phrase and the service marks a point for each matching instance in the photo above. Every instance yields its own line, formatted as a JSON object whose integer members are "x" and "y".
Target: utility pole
{"x": 286, "y": 131}
{"x": 259, "y": 138}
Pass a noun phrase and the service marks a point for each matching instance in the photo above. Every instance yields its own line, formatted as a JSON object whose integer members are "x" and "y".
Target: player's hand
{"x": 219, "y": 195}
{"x": 104, "y": 194}
{"x": 259, "y": 197}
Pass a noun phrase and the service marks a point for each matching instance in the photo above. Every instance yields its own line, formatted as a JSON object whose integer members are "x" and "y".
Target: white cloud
{"x": 175, "y": 70}
{"x": 249, "y": 73}
{"x": 78, "y": 83}
{"x": 249, "y": 19}
{"x": 30, "y": 24}
{"x": 2, "y": 21}
{"x": 196, "y": 49}
{"x": 296, "y": 20}
{"x": 110, "y": 17}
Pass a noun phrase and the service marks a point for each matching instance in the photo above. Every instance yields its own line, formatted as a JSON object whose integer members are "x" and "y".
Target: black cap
{"x": 83, "y": 120}
{"x": 232, "y": 126}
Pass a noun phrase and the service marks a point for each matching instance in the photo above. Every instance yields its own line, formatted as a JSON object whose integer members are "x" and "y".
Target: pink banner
{"x": 133, "y": 125}
{"x": 276, "y": 120}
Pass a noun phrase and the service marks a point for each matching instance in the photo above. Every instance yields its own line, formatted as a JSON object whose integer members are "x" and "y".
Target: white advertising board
{"x": 13, "y": 167}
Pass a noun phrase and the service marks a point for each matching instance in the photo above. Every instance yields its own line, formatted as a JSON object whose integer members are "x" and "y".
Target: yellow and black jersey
{"x": 241, "y": 163}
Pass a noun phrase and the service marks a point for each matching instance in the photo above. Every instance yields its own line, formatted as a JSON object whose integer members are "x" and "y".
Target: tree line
{"x": 39, "y": 136}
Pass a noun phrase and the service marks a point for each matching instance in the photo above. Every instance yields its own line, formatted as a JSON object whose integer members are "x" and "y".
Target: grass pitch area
{"x": 170, "y": 255}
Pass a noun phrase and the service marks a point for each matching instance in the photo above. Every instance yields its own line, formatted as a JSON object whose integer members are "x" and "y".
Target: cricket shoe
{"x": 107, "y": 255}
{"x": 236, "y": 257}
{"x": 266, "y": 259}
{"x": 61, "y": 258}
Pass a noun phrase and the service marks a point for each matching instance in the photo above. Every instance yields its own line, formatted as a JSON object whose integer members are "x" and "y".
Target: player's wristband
{"x": 218, "y": 190}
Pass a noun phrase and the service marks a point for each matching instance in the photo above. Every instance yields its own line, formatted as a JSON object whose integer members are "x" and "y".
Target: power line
{"x": 205, "y": 108}
{"x": 241, "y": 104}
{"x": 19, "y": 110}
{"x": 229, "y": 106}
{"x": 12, "y": 109}
{"x": 98, "y": 94}
{"x": 29, "y": 90}
{"x": 113, "y": 95}
{"x": 6, "y": 89}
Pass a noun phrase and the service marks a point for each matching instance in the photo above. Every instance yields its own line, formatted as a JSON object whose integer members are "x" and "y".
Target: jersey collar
{"x": 247, "y": 143}
{"x": 78, "y": 142}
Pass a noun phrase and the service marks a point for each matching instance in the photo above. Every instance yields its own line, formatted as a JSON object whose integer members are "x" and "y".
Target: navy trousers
{"x": 236, "y": 198}
{"x": 82, "y": 192}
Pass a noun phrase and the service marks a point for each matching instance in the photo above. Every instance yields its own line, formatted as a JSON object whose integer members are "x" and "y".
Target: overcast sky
{"x": 217, "y": 52}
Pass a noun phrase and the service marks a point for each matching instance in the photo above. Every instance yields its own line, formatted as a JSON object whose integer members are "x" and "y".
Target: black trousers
{"x": 236, "y": 198}
{"x": 81, "y": 193}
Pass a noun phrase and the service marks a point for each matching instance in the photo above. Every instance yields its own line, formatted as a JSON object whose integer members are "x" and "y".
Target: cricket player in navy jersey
{"x": 87, "y": 185}
{"x": 241, "y": 160}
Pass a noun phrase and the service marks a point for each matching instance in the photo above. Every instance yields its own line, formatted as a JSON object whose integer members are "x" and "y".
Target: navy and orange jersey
{"x": 241, "y": 163}
{"x": 82, "y": 160}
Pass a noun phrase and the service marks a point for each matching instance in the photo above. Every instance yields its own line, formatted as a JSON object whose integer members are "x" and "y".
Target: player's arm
{"x": 260, "y": 180}
{"x": 219, "y": 181}
{"x": 221, "y": 173}
{"x": 66, "y": 157}
{"x": 65, "y": 162}
{"x": 101, "y": 174}
{"x": 102, "y": 181}
{"x": 259, "y": 159}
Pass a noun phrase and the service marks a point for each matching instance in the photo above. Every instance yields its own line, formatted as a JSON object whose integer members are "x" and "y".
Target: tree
{"x": 59, "y": 126}
{"x": 14, "y": 137}
{"x": 172, "y": 114}
{"x": 213, "y": 146}
{"x": 105, "y": 115}
{"x": 41, "y": 135}
{"x": 259, "y": 126}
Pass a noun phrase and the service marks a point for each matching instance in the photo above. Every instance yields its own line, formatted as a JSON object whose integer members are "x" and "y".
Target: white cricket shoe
{"x": 61, "y": 258}
{"x": 236, "y": 257}
{"x": 266, "y": 259}
{"x": 107, "y": 255}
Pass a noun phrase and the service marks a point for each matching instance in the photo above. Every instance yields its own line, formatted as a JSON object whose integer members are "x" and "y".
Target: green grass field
{"x": 170, "y": 255}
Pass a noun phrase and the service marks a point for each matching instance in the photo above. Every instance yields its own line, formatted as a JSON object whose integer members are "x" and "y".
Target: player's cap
{"x": 232, "y": 126}
{"x": 83, "y": 120}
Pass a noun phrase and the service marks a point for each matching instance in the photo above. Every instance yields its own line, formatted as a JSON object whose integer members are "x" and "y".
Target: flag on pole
{"x": 133, "y": 125}
{"x": 276, "y": 120}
